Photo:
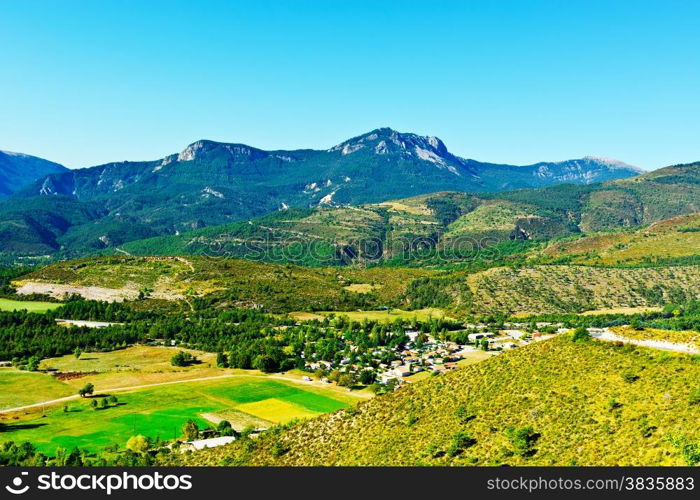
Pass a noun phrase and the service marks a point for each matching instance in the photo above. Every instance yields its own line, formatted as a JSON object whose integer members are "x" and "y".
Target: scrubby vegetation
{"x": 545, "y": 404}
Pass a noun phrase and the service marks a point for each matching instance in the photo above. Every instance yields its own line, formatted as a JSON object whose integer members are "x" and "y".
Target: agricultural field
{"x": 29, "y": 305}
{"x": 161, "y": 411}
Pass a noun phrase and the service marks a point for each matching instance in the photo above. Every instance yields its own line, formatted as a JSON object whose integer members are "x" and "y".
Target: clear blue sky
{"x": 87, "y": 82}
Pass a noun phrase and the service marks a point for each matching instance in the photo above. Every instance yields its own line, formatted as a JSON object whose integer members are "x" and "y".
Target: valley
{"x": 549, "y": 325}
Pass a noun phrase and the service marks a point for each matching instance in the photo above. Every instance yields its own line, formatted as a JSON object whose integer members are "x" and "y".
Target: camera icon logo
{"x": 16, "y": 488}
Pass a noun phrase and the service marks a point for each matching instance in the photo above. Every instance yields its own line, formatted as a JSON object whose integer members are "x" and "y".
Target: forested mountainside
{"x": 211, "y": 183}
{"x": 447, "y": 224}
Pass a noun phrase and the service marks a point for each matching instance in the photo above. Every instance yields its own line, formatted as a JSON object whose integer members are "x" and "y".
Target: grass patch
{"x": 29, "y": 305}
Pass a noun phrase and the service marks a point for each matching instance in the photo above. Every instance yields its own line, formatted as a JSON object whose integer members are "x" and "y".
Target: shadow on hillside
{"x": 20, "y": 427}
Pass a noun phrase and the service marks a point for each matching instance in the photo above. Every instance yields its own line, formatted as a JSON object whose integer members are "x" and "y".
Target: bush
{"x": 460, "y": 441}
{"x": 580, "y": 335}
{"x": 523, "y": 439}
{"x": 138, "y": 444}
{"x": 464, "y": 415}
{"x": 183, "y": 358}
{"x": 190, "y": 430}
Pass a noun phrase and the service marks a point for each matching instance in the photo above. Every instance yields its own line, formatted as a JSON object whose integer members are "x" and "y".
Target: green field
{"x": 19, "y": 388}
{"x": 161, "y": 411}
{"x": 31, "y": 306}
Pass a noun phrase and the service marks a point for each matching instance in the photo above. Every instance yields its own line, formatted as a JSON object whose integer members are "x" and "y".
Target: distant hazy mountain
{"x": 211, "y": 183}
{"x": 18, "y": 170}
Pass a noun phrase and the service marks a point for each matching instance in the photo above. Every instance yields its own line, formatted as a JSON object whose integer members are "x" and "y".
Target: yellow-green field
{"x": 19, "y": 388}
{"x": 29, "y": 305}
{"x": 381, "y": 316}
{"x": 161, "y": 411}
{"x": 155, "y": 398}
{"x": 622, "y": 310}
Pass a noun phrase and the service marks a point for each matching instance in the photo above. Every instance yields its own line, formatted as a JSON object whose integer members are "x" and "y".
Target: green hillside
{"x": 523, "y": 289}
{"x": 447, "y": 227}
{"x": 555, "y": 402}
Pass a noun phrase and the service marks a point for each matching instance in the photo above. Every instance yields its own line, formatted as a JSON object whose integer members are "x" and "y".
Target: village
{"x": 391, "y": 367}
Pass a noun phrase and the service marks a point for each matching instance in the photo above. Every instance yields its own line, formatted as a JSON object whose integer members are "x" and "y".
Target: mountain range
{"x": 211, "y": 183}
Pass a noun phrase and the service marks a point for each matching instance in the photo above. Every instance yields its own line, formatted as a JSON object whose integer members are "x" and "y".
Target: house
{"x": 478, "y": 336}
{"x": 201, "y": 444}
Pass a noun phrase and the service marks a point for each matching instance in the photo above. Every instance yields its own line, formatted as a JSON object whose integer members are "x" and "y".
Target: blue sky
{"x": 87, "y": 82}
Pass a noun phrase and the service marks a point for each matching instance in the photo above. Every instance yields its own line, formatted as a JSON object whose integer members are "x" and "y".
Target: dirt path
{"x": 665, "y": 345}
{"x": 146, "y": 386}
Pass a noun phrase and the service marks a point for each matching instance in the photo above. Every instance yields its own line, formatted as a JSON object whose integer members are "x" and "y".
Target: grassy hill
{"x": 286, "y": 288}
{"x": 222, "y": 282}
{"x": 674, "y": 238}
{"x": 555, "y": 402}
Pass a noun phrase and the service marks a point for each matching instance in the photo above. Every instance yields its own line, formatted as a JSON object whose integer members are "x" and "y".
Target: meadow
{"x": 29, "y": 305}
{"x": 155, "y": 398}
{"x": 161, "y": 412}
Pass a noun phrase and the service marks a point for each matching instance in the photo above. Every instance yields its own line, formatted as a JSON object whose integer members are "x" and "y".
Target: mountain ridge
{"x": 210, "y": 183}
{"x": 18, "y": 170}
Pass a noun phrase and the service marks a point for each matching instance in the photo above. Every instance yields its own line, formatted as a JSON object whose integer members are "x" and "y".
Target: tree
{"x": 580, "y": 334}
{"x": 367, "y": 377}
{"x": 112, "y": 400}
{"x": 265, "y": 363}
{"x": 346, "y": 380}
{"x": 225, "y": 429}
{"x": 190, "y": 430}
{"x": 221, "y": 360}
{"x": 103, "y": 403}
{"x": 86, "y": 390}
{"x": 77, "y": 353}
{"x": 93, "y": 404}
{"x": 182, "y": 358}
{"x": 138, "y": 444}
{"x": 33, "y": 363}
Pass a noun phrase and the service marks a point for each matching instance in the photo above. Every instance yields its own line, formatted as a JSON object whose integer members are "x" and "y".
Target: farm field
{"x": 383, "y": 316}
{"x": 19, "y": 388}
{"x": 161, "y": 411}
{"x": 135, "y": 366}
{"x": 29, "y": 305}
